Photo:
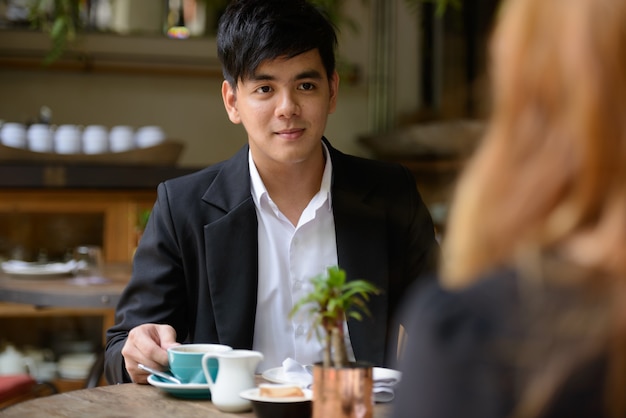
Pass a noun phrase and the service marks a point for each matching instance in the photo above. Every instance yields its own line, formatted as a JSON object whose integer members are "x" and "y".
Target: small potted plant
{"x": 332, "y": 300}
{"x": 142, "y": 220}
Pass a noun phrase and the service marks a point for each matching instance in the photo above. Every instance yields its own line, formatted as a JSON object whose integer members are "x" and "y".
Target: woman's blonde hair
{"x": 551, "y": 171}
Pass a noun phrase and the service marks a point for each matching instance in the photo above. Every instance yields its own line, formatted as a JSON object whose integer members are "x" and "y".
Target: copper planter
{"x": 343, "y": 392}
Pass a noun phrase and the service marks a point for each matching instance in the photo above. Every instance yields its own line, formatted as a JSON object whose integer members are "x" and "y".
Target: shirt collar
{"x": 259, "y": 192}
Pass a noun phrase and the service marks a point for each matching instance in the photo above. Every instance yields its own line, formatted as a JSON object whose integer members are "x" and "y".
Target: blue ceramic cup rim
{"x": 186, "y": 360}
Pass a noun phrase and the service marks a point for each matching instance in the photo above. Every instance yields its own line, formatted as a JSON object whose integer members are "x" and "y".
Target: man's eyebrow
{"x": 309, "y": 74}
{"x": 314, "y": 74}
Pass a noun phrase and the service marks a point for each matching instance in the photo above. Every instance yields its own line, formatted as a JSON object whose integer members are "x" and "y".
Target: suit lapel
{"x": 231, "y": 251}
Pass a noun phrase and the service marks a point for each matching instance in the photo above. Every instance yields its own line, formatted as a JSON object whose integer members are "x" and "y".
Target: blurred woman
{"x": 531, "y": 320}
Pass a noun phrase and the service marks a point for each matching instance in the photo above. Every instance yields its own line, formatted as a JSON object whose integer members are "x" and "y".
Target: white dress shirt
{"x": 288, "y": 258}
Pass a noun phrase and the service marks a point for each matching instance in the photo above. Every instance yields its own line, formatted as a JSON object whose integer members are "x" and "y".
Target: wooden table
{"x": 128, "y": 400}
{"x": 67, "y": 292}
{"x": 33, "y": 296}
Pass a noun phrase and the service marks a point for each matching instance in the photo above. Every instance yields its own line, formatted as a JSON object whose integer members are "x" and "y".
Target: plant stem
{"x": 341, "y": 356}
{"x": 327, "y": 349}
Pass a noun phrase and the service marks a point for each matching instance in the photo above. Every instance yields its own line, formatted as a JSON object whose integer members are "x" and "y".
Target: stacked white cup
{"x": 95, "y": 139}
{"x": 67, "y": 139}
{"x": 121, "y": 138}
{"x": 149, "y": 136}
{"x": 40, "y": 138}
{"x": 13, "y": 135}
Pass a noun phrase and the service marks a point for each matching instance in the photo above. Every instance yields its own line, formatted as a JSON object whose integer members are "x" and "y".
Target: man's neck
{"x": 291, "y": 187}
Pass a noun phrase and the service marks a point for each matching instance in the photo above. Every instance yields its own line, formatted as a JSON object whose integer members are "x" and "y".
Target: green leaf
{"x": 59, "y": 28}
{"x": 441, "y": 6}
{"x": 332, "y": 300}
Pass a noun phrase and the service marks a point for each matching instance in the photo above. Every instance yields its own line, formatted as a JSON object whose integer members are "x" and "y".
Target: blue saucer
{"x": 185, "y": 390}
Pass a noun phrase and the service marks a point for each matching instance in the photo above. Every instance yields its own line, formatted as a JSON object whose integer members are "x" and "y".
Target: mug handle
{"x": 205, "y": 367}
{"x": 31, "y": 366}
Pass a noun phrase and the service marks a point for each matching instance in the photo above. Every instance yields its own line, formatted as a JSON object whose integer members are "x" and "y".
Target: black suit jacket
{"x": 196, "y": 265}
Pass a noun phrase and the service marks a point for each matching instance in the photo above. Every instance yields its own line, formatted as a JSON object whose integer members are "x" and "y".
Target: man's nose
{"x": 287, "y": 105}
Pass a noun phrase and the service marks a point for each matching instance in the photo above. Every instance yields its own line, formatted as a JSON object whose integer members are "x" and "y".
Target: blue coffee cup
{"x": 186, "y": 361}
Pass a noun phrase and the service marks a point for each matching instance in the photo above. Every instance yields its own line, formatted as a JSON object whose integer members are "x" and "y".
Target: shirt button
{"x": 300, "y": 331}
{"x": 297, "y": 285}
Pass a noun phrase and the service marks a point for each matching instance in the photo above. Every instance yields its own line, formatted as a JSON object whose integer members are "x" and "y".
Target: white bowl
{"x": 76, "y": 365}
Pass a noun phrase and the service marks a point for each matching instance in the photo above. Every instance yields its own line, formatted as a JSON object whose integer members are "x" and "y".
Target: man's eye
{"x": 307, "y": 86}
{"x": 264, "y": 89}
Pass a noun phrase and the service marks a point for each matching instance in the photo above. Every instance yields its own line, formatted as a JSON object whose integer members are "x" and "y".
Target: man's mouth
{"x": 290, "y": 133}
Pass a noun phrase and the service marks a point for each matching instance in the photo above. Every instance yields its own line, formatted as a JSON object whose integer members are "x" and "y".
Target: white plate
{"x": 384, "y": 373}
{"x": 75, "y": 365}
{"x": 23, "y": 268}
{"x": 278, "y": 375}
{"x": 185, "y": 390}
{"x": 73, "y": 374}
{"x": 253, "y": 395}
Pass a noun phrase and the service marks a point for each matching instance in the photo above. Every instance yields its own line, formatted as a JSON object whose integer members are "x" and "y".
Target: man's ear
{"x": 229, "y": 96}
{"x": 333, "y": 84}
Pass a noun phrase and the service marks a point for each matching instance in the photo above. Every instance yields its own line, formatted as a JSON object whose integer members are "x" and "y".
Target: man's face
{"x": 284, "y": 107}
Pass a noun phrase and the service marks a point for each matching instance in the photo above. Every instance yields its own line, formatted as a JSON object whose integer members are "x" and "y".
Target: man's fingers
{"x": 147, "y": 344}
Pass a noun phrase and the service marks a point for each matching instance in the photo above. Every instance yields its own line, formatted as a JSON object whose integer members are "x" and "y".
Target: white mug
{"x": 13, "y": 135}
{"x": 95, "y": 139}
{"x": 67, "y": 139}
{"x": 149, "y": 136}
{"x": 39, "y": 137}
{"x": 121, "y": 138}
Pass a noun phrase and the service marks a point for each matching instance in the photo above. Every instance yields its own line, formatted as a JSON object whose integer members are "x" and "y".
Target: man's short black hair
{"x": 252, "y": 31}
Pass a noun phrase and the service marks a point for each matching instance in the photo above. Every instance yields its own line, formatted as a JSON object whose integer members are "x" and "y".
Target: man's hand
{"x": 147, "y": 344}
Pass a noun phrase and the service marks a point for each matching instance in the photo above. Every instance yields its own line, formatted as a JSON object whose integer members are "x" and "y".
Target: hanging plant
{"x": 61, "y": 19}
{"x": 442, "y": 5}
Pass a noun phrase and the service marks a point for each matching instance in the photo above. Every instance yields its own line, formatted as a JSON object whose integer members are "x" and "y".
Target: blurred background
{"x": 400, "y": 62}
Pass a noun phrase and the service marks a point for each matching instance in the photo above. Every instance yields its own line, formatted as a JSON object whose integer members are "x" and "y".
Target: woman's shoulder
{"x": 448, "y": 358}
{"x": 489, "y": 291}
{"x": 477, "y": 312}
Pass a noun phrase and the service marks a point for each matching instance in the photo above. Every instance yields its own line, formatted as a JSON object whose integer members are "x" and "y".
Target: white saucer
{"x": 185, "y": 390}
{"x": 380, "y": 373}
{"x": 278, "y": 375}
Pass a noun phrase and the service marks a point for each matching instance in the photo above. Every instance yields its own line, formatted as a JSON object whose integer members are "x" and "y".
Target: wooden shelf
{"x": 160, "y": 155}
{"x": 113, "y": 53}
